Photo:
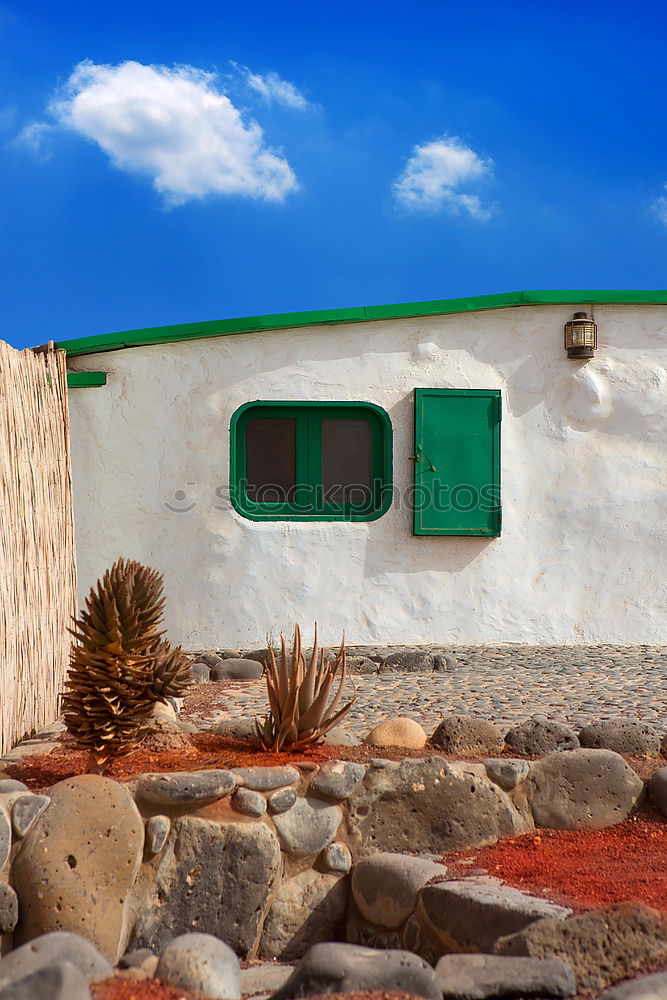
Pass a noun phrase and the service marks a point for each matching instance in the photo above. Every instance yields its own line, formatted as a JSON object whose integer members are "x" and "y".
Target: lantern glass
{"x": 581, "y": 336}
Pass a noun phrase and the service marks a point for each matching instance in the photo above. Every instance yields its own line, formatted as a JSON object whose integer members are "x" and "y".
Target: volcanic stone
{"x": 193, "y": 788}
{"x": 467, "y": 734}
{"x": 430, "y": 805}
{"x": 282, "y": 800}
{"x": 629, "y": 737}
{"x": 200, "y": 962}
{"x": 307, "y": 909}
{"x": 657, "y": 789}
{"x": 157, "y": 831}
{"x": 237, "y": 669}
{"x": 337, "y": 778}
{"x": 307, "y": 827}
{"x": 9, "y": 909}
{"x": 59, "y": 946}
{"x": 200, "y": 673}
{"x": 264, "y": 779}
{"x": 582, "y": 789}
{"x": 248, "y": 802}
{"x": 602, "y": 946}
{"x": 337, "y": 858}
{"x": 478, "y": 977}
{"x": 59, "y": 981}
{"x": 76, "y": 867}
{"x": 646, "y": 988}
{"x": 26, "y": 810}
{"x": 347, "y": 968}
{"x": 408, "y": 660}
{"x": 5, "y": 836}
{"x": 471, "y": 914}
{"x": 506, "y": 772}
{"x": 10, "y": 785}
{"x": 214, "y": 876}
{"x": 397, "y": 732}
{"x": 385, "y": 886}
{"x": 539, "y": 736}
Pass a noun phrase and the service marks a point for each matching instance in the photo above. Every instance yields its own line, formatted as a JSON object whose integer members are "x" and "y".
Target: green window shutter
{"x": 457, "y": 462}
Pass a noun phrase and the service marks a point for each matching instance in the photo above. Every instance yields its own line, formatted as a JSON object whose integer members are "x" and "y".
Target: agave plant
{"x": 299, "y": 710}
{"x": 120, "y": 663}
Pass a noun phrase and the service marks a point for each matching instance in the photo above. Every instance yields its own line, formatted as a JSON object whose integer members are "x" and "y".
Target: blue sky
{"x": 166, "y": 162}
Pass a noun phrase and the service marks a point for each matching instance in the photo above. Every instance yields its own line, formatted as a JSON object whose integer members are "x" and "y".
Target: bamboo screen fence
{"x": 37, "y": 559}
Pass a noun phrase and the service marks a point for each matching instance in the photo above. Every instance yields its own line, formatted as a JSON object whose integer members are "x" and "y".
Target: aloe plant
{"x": 300, "y": 713}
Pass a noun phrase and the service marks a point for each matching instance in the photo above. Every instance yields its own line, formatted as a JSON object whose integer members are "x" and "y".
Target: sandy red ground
{"x": 585, "y": 868}
{"x": 116, "y": 988}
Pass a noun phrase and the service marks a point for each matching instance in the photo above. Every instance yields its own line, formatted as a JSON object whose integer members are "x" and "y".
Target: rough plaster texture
{"x": 581, "y": 556}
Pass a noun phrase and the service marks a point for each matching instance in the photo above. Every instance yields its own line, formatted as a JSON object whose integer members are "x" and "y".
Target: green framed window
{"x": 303, "y": 461}
{"x": 457, "y": 462}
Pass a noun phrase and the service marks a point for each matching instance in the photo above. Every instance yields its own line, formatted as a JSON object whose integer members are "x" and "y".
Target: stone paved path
{"x": 505, "y": 685}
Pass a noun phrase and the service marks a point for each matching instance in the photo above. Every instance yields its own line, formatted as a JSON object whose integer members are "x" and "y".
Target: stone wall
{"x": 260, "y": 857}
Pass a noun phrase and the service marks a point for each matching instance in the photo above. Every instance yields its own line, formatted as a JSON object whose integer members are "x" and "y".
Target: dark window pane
{"x": 346, "y": 461}
{"x": 270, "y": 459}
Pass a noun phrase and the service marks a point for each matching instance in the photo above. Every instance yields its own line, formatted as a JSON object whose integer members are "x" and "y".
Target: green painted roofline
{"x": 319, "y": 317}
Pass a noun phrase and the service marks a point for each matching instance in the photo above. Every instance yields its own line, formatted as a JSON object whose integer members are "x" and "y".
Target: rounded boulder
{"x": 629, "y": 737}
{"x": 468, "y": 734}
{"x": 397, "y": 732}
{"x": 203, "y": 963}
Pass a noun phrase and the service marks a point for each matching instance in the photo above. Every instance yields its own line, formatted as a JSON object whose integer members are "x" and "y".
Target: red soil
{"x": 582, "y": 868}
{"x": 117, "y": 988}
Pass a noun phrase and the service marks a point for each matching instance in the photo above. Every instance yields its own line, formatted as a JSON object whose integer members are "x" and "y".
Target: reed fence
{"x": 37, "y": 557}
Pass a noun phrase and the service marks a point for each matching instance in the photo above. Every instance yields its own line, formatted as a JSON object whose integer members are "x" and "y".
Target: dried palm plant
{"x": 299, "y": 709}
{"x": 120, "y": 665}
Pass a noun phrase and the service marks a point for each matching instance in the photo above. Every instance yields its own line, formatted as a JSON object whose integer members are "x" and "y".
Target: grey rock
{"x": 336, "y": 779}
{"x": 237, "y": 669}
{"x": 505, "y": 772}
{"x": 307, "y": 827}
{"x": 539, "y": 736}
{"x": 471, "y": 914}
{"x": 337, "y": 858}
{"x": 192, "y": 788}
{"x": 136, "y": 959}
{"x": 282, "y": 800}
{"x": 385, "y": 886}
{"x": 629, "y": 737}
{"x": 92, "y": 835}
{"x": 306, "y": 909}
{"x": 59, "y": 946}
{"x": 478, "y": 977}
{"x": 10, "y": 785}
{"x": 25, "y": 810}
{"x": 340, "y": 737}
{"x": 265, "y": 779}
{"x": 582, "y": 789}
{"x": 248, "y": 802}
{"x": 646, "y": 988}
{"x": 443, "y": 662}
{"x": 200, "y": 673}
{"x": 361, "y": 665}
{"x": 214, "y": 876}
{"x": 430, "y": 805}
{"x": 157, "y": 831}
{"x": 5, "y": 836}
{"x": 258, "y": 981}
{"x": 210, "y": 658}
{"x": 58, "y": 981}
{"x": 260, "y": 655}
{"x": 200, "y": 962}
{"x": 345, "y": 968}
{"x": 408, "y": 660}
{"x": 467, "y": 734}
{"x": 240, "y": 729}
{"x": 9, "y": 909}
{"x": 657, "y": 789}
{"x": 602, "y": 946}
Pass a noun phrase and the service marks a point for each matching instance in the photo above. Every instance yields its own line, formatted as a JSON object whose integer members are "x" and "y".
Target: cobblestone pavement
{"x": 504, "y": 685}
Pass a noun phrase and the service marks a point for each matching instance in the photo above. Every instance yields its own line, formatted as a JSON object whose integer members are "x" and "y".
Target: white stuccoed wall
{"x": 582, "y": 556}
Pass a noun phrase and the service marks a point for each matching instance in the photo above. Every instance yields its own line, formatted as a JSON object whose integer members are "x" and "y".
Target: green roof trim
{"x": 325, "y": 317}
{"x": 85, "y": 380}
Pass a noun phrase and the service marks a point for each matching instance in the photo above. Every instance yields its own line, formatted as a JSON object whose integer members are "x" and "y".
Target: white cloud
{"x": 174, "y": 126}
{"x": 660, "y": 207}
{"x": 34, "y": 138}
{"x": 274, "y": 89}
{"x": 434, "y": 173}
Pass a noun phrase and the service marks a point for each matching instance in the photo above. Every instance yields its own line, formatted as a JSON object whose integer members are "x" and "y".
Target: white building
{"x": 579, "y": 457}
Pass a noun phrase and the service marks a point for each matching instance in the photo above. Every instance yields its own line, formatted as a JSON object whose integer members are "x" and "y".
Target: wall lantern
{"x": 581, "y": 336}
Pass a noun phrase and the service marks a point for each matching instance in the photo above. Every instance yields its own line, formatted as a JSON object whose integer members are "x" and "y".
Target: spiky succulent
{"x": 120, "y": 663}
{"x": 299, "y": 710}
